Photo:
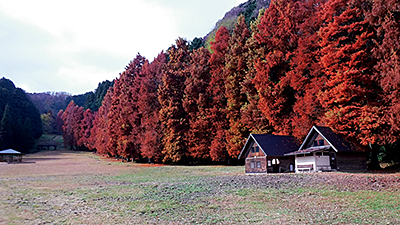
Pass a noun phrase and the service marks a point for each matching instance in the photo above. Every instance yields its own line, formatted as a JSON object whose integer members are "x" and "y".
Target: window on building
{"x": 257, "y": 149}
{"x": 321, "y": 142}
{"x": 275, "y": 162}
{"x": 258, "y": 164}
{"x": 269, "y": 162}
{"x": 252, "y": 165}
{"x": 315, "y": 143}
{"x": 252, "y": 150}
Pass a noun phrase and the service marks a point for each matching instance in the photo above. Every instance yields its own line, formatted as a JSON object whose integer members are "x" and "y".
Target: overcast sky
{"x": 73, "y": 45}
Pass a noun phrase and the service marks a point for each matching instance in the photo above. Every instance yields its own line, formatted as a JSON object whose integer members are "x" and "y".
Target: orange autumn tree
{"x": 216, "y": 91}
{"x": 350, "y": 94}
{"x": 85, "y": 128}
{"x": 305, "y": 74}
{"x": 99, "y": 133}
{"x": 72, "y": 118}
{"x": 196, "y": 103}
{"x": 172, "y": 114}
{"x": 386, "y": 20}
{"x": 122, "y": 109}
{"x": 134, "y": 114}
{"x": 234, "y": 73}
{"x": 277, "y": 34}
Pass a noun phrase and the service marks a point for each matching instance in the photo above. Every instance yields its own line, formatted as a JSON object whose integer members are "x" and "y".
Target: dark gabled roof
{"x": 272, "y": 145}
{"x": 337, "y": 142}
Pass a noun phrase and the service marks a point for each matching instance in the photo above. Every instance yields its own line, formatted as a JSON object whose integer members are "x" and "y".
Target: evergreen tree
{"x": 23, "y": 138}
{"x": 94, "y": 99}
{"x": 7, "y": 127}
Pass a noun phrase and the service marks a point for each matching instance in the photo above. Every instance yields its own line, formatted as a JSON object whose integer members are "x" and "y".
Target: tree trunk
{"x": 374, "y": 165}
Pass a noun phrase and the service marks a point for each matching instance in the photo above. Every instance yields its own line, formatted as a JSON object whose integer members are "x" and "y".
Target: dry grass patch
{"x": 81, "y": 188}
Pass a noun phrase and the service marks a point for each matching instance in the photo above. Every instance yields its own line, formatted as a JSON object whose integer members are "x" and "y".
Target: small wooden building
{"x": 266, "y": 153}
{"x": 324, "y": 150}
{"x": 10, "y": 156}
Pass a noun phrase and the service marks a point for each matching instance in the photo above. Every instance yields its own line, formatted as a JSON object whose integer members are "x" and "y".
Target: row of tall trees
{"x": 327, "y": 62}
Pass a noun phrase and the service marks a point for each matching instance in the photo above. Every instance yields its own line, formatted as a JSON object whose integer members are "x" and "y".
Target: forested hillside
{"x": 300, "y": 63}
{"x": 20, "y": 119}
{"x": 249, "y": 10}
{"x": 51, "y": 103}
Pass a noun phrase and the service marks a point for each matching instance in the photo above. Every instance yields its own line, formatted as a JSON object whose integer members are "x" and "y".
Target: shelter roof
{"x": 310, "y": 150}
{"x": 10, "y": 151}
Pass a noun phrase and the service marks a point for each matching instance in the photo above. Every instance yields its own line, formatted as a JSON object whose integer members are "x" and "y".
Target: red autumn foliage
{"x": 149, "y": 107}
{"x": 216, "y": 91}
{"x": 122, "y": 116}
{"x": 99, "y": 133}
{"x": 85, "y": 128}
{"x": 277, "y": 34}
{"x": 234, "y": 73}
{"x": 172, "y": 114}
{"x": 350, "y": 91}
{"x": 72, "y": 118}
{"x": 386, "y": 20}
{"x": 196, "y": 104}
{"x": 59, "y": 122}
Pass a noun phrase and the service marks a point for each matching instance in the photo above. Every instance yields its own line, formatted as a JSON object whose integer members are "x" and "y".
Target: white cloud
{"x": 71, "y": 46}
{"x": 115, "y": 27}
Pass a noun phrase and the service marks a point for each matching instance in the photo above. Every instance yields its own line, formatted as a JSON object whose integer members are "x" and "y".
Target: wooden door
{"x": 332, "y": 160}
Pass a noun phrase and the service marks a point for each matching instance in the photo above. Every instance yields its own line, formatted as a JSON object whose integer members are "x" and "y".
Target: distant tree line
{"x": 20, "y": 121}
{"x": 327, "y": 62}
{"x": 50, "y": 103}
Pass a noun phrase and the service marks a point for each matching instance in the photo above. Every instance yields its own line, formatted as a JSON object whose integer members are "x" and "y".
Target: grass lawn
{"x": 66, "y": 187}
